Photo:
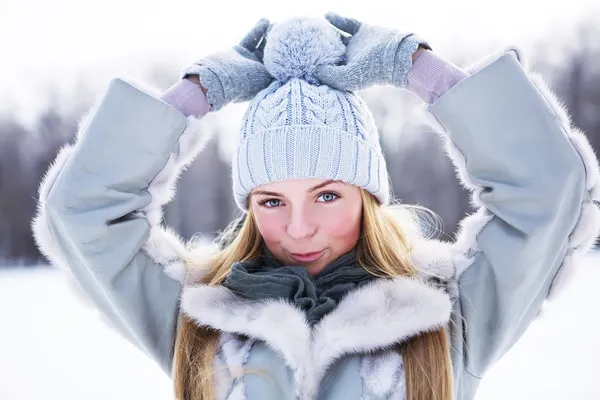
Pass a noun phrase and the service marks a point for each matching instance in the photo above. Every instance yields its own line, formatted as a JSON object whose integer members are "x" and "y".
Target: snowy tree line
{"x": 420, "y": 171}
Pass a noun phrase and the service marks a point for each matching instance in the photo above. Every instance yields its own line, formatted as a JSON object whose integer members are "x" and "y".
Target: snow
{"x": 54, "y": 346}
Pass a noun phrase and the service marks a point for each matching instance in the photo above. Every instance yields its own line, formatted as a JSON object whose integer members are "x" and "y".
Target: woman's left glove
{"x": 237, "y": 74}
{"x": 374, "y": 56}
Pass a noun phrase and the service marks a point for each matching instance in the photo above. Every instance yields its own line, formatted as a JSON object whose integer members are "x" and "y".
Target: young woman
{"x": 324, "y": 289}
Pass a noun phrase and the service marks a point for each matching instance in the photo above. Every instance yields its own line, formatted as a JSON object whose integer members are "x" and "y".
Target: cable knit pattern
{"x": 298, "y": 130}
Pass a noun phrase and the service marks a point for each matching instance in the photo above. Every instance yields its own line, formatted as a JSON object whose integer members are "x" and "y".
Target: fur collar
{"x": 371, "y": 318}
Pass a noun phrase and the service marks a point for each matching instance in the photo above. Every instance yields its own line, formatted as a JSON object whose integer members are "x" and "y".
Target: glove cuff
{"x": 187, "y": 97}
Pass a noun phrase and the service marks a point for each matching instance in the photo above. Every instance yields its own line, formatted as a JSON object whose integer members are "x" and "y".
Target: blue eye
{"x": 269, "y": 203}
{"x": 328, "y": 197}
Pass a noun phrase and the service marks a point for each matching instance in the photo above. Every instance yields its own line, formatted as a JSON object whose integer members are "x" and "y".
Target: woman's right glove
{"x": 374, "y": 56}
{"x": 237, "y": 74}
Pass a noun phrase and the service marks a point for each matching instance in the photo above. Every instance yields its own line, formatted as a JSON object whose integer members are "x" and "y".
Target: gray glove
{"x": 237, "y": 74}
{"x": 374, "y": 56}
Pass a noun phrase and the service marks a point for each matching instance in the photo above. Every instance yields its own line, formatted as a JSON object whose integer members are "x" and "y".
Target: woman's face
{"x": 308, "y": 222}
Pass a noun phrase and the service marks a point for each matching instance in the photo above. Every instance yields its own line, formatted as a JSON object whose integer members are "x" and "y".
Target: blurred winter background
{"x": 58, "y": 55}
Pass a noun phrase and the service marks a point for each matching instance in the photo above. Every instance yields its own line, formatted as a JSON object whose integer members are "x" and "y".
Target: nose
{"x": 300, "y": 225}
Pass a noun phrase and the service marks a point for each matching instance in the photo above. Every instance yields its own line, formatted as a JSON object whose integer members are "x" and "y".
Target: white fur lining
{"x": 586, "y": 231}
{"x": 584, "y": 235}
{"x": 162, "y": 187}
{"x": 371, "y": 318}
{"x": 217, "y": 307}
{"x": 233, "y": 352}
{"x": 440, "y": 262}
{"x": 164, "y": 246}
{"x": 588, "y": 226}
{"x": 383, "y": 376}
{"x": 42, "y": 233}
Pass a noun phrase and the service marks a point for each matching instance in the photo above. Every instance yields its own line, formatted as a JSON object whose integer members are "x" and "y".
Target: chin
{"x": 314, "y": 270}
{"x": 317, "y": 266}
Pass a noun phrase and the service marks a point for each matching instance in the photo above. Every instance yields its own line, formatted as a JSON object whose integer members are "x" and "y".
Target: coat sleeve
{"x": 100, "y": 212}
{"x": 533, "y": 179}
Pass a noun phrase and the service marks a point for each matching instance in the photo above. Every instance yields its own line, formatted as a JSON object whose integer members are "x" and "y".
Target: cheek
{"x": 271, "y": 226}
{"x": 341, "y": 225}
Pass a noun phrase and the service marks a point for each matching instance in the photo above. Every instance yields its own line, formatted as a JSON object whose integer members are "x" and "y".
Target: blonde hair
{"x": 383, "y": 249}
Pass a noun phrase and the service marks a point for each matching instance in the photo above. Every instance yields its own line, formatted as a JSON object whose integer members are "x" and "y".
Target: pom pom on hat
{"x": 296, "y": 47}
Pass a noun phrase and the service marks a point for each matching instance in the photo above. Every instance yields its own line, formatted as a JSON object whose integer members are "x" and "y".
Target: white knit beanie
{"x": 297, "y": 128}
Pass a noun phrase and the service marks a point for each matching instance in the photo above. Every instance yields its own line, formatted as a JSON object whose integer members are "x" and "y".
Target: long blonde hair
{"x": 383, "y": 249}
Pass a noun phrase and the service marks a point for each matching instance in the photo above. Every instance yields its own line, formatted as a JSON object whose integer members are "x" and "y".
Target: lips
{"x": 307, "y": 257}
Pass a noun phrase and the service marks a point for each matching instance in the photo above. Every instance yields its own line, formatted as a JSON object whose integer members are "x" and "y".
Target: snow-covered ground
{"x": 53, "y": 346}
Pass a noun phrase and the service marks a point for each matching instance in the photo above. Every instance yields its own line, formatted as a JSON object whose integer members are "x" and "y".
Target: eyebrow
{"x": 321, "y": 185}
{"x": 312, "y": 189}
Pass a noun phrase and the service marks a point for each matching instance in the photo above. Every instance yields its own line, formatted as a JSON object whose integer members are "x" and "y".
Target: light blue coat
{"x": 533, "y": 178}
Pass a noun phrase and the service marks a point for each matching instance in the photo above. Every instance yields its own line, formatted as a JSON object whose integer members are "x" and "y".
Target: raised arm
{"x": 533, "y": 178}
{"x": 99, "y": 212}
{"x": 100, "y": 203}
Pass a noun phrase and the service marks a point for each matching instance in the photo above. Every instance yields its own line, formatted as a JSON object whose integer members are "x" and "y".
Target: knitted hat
{"x": 298, "y": 128}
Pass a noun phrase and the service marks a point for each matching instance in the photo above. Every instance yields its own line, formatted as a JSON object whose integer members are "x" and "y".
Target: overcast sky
{"x": 56, "y": 44}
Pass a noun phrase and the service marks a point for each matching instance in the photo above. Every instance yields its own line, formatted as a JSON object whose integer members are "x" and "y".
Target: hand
{"x": 234, "y": 75}
{"x": 417, "y": 53}
{"x": 374, "y": 56}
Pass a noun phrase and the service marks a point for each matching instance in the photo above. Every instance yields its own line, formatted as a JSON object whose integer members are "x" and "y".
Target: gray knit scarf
{"x": 316, "y": 295}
